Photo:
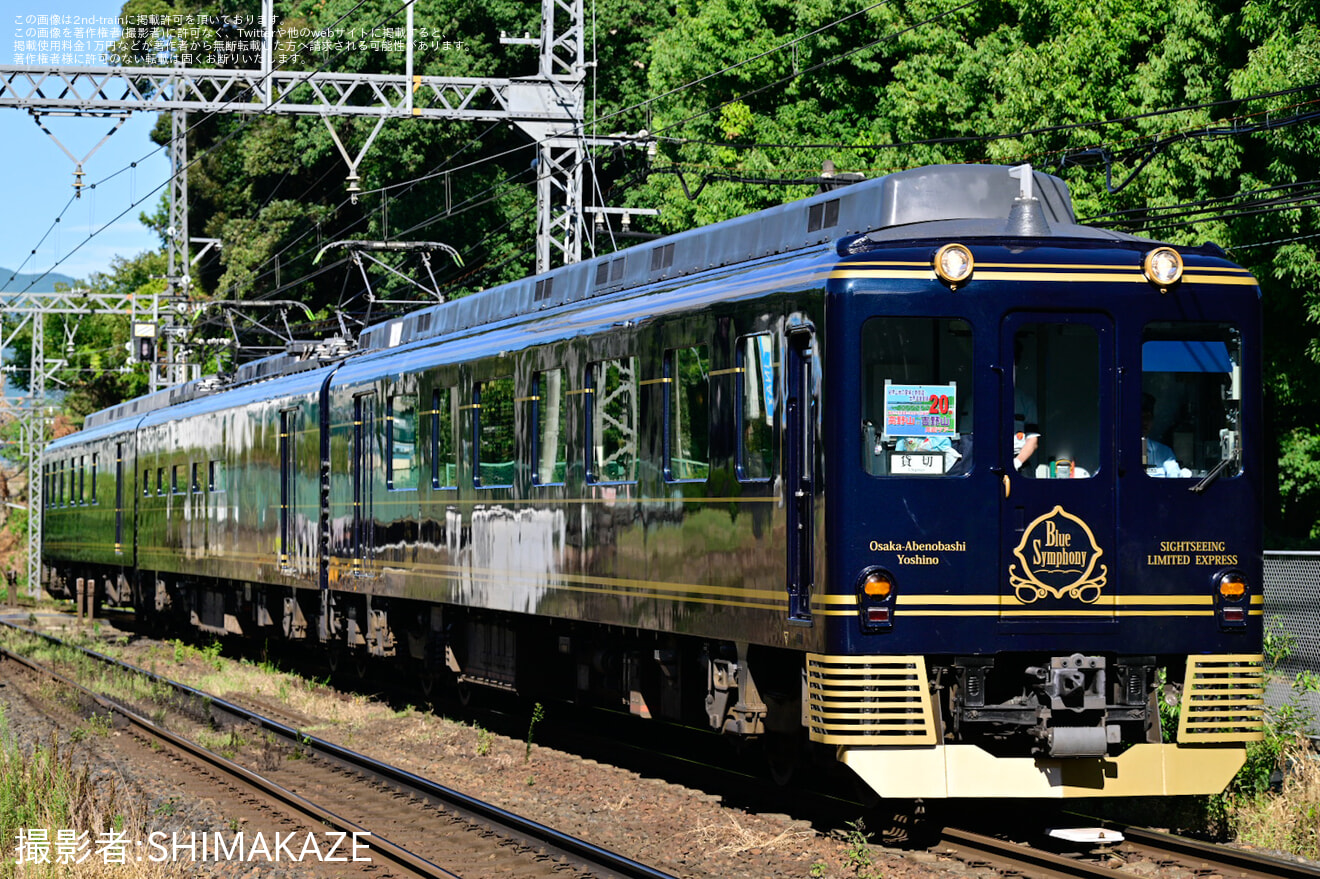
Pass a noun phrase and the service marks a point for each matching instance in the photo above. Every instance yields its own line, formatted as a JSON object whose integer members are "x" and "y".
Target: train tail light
{"x": 1232, "y": 598}
{"x": 875, "y": 599}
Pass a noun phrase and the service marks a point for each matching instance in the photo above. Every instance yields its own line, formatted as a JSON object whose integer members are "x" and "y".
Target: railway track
{"x": 1143, "y": 852}
{"x": 1140, "y": 852}
{"x": 419, "y": 827}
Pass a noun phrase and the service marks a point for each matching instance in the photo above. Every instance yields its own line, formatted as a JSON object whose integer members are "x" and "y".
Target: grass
{"x": 1287, "y": 820}
{"x": 1274, "y": 802}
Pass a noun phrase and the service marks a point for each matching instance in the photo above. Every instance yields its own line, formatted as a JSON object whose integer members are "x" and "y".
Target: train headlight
{"x": 1163, "y": 267}
{"x": 875, "y": 599}
{"x": 954, "y": 264}
{"x": 1232, "y": 599}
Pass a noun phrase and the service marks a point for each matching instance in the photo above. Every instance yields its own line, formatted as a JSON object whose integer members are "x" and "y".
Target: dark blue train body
{"x": 917, "y": 476}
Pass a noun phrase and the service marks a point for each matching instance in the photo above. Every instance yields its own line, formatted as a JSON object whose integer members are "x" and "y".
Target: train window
{"x": 196, "y": 485}
{"x": 146, "y": 482}
{"x": 917, "y": 389}
{"x": 758, "y": 390}
{"x": 612, "y": 421}
{"x": 96, "y": 460}
{"x": 402, "y": 440}
{"x": 119, "y": 497}
{"x": 176, "y": 479}
{"x": 444, "y": 451}
{"x": 82, "y": 479}
{"x": 1190, "y": 412}
{"x": 551, "y": 434}
{"x": 160, "y": 480}
{"x": 687, "y": 413}
{"x": 60, "y": 501}
{"x": 494, "y": 431}
{"x": 215, "y": 476}
{"x": 1056, "y": 401}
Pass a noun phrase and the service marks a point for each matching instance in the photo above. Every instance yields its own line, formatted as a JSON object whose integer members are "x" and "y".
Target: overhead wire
{"x": 193, "y": 161}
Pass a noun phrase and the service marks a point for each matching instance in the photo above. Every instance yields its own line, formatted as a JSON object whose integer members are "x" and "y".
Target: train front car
{"x": 1043, "y": 502}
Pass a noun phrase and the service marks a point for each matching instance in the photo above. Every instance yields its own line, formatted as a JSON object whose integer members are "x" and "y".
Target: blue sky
{"x": 39, "y": 180}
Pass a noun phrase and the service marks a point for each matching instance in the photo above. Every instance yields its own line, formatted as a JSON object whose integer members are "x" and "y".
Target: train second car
{"x": 918, "y": 476}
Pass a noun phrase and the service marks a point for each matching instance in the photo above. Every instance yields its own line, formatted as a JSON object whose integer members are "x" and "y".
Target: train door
{"x": 1058, "y": 507}
{"x": 288, "y": 488}
{"x": 799, "y": 476}
{"x": 119, "y": 498}
{"x": 364, "y": 479}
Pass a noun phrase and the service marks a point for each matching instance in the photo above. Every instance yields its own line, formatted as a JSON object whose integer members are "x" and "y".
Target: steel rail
{"x": 393, "y": 852}
{"x": 515, "y": 827}
{"x": 1014, "y": 856}
{"x": 1220, "y": 859}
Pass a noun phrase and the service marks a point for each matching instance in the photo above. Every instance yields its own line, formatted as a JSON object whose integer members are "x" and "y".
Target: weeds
{"x": 858, "y": 850}
{"x": 1274, "y": 802}
{"x": 484, "y": 741}
{"x": 45, "y": 787}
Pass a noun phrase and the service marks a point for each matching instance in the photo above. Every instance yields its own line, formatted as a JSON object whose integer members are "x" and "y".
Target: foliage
{"x": 1285, "y": 726}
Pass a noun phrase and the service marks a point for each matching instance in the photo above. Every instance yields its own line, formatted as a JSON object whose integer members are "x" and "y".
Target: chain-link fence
{"x": 1292, "y": 609}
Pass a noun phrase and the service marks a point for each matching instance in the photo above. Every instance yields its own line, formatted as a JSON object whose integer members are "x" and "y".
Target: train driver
{"x": 1156, "y": 457}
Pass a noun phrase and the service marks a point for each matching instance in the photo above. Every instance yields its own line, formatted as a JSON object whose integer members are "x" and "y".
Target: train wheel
{"x": 783, "y": 755}
{"x": 464, "y": 691}
{"x": 428, "y": 682}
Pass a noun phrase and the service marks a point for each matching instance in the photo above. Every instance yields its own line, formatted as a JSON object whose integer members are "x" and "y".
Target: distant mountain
{"x": 20, "y": 282}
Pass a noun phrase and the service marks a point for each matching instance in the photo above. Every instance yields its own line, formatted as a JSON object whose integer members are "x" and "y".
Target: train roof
{"x": 954, "y": 201}
{"x": 945, "y": 201}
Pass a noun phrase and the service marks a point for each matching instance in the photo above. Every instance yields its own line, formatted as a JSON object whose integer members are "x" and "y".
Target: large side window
{"x": 402, "y": 441}
{"x": 612, "y": 455}
{"x": 365, "y": 456}
{"x": 687, "y": 413}
{"x": 119, "y": 497}
{"x": 1190, "y": 399}
{"x": 444, "y": 450}
{"x": 495, "y": 444}
{"x": 288, "y": 483}
{"x": 758, "y": 393}
{"x": 917, "y": 396}
{"x": 551, "y": 434}
{"x": 96, "y": 462}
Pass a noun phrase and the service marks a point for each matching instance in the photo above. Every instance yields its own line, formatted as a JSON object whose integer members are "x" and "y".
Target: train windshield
{"x": 1190, "y": 399}
{"x": 1056, "y": 428}
{"x": 917, "y": 391}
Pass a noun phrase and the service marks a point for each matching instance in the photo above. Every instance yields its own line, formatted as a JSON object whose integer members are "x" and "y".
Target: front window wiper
{"x": 1214, "y": 473}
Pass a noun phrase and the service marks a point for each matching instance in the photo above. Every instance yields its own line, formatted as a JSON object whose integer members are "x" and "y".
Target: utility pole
{"x": 31, "y": 310}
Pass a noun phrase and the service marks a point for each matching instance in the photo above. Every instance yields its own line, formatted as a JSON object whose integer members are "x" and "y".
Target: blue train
{"x": 918, "y": 476}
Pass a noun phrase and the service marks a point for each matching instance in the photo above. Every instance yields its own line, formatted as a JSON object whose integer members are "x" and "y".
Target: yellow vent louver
{"x": 1223, "y": 699}
{"x": 869, "y": 700}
